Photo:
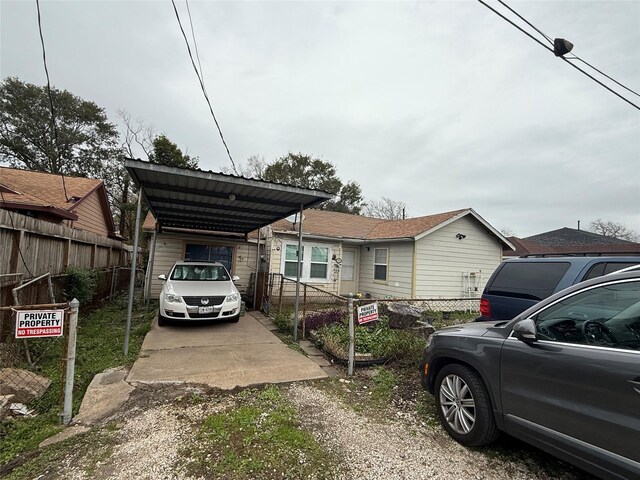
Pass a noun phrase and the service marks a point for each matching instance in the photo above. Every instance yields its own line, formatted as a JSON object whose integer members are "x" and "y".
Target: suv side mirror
{"x": 525, "y": 331}
{"x": 162, "y": 277}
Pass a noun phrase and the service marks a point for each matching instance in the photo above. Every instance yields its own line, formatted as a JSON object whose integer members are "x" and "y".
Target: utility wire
{"x": 549, "y": 39}
{"x": 566, "y": 60}
{"x": 202, "y": 87}
{"x": 54, "y": 127}
{"x": 195, "y": 43}
{"x": 575, "y": 57}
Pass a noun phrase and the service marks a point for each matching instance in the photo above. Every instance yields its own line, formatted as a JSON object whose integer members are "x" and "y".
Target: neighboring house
{"x": 448, "y": 255}
{"x": 570, "y": 241}
{"x": 85, "y": 205}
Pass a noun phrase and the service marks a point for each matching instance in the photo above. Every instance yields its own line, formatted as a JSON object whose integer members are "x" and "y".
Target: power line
{"x": 53, "y": 110}
{"x": 195, "y": 43}
{"x": 562, "y": 57}
{"x": 202, "y": 87}
{"x": 527, "y": 22}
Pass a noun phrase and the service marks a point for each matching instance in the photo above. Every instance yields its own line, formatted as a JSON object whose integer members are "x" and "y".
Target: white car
{"x": 198, "y": 291}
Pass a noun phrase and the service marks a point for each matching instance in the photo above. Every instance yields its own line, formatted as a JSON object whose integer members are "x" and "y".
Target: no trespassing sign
{"x": 39, "y": 323}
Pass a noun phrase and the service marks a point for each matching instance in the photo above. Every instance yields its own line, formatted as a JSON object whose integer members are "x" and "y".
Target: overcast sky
{"x": 441, "y": 105}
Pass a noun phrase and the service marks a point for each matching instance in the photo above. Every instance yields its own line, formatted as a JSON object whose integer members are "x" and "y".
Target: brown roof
{"x": 527, "y": 247}
{"x": 44, "y": 189}
{"x": 344, "y": 225}
{"x": 45, "y": 192}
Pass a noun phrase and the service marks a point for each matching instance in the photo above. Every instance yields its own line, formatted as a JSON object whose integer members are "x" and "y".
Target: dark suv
{"x": 519, "y": 283}
{"x": 564, "y": 376}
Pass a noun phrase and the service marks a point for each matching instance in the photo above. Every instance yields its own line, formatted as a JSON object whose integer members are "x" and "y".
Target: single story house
{"x": 84, "y": 206}
{"x": 570, "y": 241}
{"x": 447, "y": 255}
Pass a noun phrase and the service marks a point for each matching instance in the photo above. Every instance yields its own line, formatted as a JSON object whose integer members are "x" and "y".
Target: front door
{"x": 349, "y": 271}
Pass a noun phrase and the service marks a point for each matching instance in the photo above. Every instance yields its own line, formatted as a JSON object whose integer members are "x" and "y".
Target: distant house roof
{"x": 570, "y": 241}
{"x": 329, "y": 224}
{"x": 39, "y": 192}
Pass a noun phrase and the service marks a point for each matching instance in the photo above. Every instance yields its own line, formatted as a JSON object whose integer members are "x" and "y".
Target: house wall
{"x": 91, "y": 216}
{"x": 276, "y": 243}
{"x": 399, "y": 270}
{"x": 170, "y": 247}
{"x": 442, "y": 259}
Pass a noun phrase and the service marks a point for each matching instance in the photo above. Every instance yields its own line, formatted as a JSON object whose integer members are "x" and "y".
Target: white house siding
{"x": 170, "y": 247}
{"x": 442, "y": 259}
{"x": 277, "y": 243}
{"x": 399, "y": 270}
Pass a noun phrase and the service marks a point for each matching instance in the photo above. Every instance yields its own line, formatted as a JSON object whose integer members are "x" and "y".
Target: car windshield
{"x": 211, "y": 273}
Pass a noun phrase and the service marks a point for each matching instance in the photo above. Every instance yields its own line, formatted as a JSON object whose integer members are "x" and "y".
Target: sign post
{"x": 71, "y": 362}
{"x": 352, "y": 335}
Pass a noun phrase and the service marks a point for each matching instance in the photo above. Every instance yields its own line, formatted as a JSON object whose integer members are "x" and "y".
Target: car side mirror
{"x": 525, "y": 331}
{"x": 162, "y": 277}
{"x": 235, "y": 278}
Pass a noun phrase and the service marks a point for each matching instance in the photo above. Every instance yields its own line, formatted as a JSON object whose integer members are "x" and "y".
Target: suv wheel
{"x": 463, "y": 406}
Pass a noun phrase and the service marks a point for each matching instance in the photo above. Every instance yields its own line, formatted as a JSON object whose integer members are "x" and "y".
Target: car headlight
{"x": 233, "y": 297}
{"x": 172, "y": 298}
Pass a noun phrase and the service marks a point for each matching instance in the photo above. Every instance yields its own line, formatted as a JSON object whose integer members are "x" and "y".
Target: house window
{"x": 210, "y": 253}
{"x": 380, "y": 263}
{"x": 314, "y": 263}
{"x": 319, "y": 262}
{"x": 291, "y": 260}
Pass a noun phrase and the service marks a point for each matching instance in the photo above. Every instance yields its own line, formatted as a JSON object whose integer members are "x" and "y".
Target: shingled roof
{"x": 25, "y": 190}
{"x": 356, "y": 227}
{"x": 570, "y": 241}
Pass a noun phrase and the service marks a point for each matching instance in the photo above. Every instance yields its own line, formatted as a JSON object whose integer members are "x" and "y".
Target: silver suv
{"x": 564, "y": 376}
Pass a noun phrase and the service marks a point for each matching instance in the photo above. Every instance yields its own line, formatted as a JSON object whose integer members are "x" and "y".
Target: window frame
{"x": 307, "y": 249}
{"x": 386, "y": 265}
{"x": 209, "y": 246}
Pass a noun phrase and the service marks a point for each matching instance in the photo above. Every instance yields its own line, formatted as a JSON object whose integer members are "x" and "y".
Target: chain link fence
{"x": 21, "y": 360}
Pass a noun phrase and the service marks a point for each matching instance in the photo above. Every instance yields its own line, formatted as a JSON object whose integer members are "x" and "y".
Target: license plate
{"x": 205, "y": 309}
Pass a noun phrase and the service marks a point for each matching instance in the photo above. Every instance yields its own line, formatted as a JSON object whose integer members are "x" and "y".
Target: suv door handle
{"x": 636, "y": 384}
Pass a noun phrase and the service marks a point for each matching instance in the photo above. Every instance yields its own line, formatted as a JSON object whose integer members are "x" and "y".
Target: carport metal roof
{"x": 195, "y": 199}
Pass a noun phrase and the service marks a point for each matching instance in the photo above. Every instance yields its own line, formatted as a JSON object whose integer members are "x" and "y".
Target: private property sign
{"x": 367, "y": 313}
{"x": 39, "y": 323}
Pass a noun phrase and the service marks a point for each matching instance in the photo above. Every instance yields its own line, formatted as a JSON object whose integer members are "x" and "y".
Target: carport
{"x": 188, "y": 199}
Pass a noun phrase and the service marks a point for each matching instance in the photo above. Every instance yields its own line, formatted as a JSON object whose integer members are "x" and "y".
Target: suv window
{"x": 534, "y": 280}
{"x": 608, "y": 316}
{"x": 604, "y": 268}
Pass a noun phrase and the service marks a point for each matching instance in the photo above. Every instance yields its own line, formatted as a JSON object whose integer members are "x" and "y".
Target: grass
{"x": 261, "y": 437}
{"x": 99, "y": 346}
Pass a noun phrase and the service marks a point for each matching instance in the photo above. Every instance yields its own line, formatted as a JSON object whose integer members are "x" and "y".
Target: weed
{"x": 261, "y": 436}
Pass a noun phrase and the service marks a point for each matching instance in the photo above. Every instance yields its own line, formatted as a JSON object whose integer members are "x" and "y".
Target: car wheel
{"x": 162, "y": 321}
{"x": 463, "y": 406}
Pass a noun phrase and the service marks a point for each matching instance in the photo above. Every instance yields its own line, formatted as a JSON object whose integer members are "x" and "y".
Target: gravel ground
{"x": 147, "y": 442}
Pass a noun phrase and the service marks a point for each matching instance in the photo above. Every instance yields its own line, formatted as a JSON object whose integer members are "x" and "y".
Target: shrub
{"x": 284, "y": 322}
{"x": 82, "y": 284}
{"x": 316, "y": 320}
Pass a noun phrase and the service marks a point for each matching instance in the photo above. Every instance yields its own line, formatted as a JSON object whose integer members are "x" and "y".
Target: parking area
{"x": 223, "y": 355}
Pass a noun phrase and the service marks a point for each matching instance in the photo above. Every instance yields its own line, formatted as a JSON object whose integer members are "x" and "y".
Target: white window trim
{"x": 376, "y": 280}
{"x": 306, "y": 261}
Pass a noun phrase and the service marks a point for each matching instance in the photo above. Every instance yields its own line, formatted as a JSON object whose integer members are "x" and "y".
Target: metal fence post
{"x": 352, "y": 335}
{"x": 71, "y": 361}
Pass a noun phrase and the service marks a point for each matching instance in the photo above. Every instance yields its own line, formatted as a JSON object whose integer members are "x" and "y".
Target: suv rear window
{"x": 603, "y": 268}
{"x": 534, "y": 281}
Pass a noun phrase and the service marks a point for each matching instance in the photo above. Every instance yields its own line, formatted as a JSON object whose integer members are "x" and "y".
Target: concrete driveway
{"x": 223, "y": 355}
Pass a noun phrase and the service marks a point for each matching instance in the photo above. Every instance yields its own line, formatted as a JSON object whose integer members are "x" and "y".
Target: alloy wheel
{"x": 457, "y": 404}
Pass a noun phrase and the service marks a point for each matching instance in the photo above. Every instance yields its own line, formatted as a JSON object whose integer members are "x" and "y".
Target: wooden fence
{"x": 34, "y": 247}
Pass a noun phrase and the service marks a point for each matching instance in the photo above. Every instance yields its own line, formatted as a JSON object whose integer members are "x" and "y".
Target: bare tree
{"x": 385, "y": 208}
{"x": 254, "y": 168}
{"x": 507, "y": 232}
{"x": 137, "y": 135}
{"x": 609, "y": 228}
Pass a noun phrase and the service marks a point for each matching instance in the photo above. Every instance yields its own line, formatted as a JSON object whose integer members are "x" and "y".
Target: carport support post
{"x": 132, "y": 280}
{"x": 297, "y": 309}
{"x": 150, "y": 267}
{"x": 352, "y": 335}
{"x": 255, "y": 280}
{"x": 71, "y": 362}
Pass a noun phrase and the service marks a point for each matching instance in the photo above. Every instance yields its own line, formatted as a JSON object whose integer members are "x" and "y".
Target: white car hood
{"x": 199, "y": 289}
